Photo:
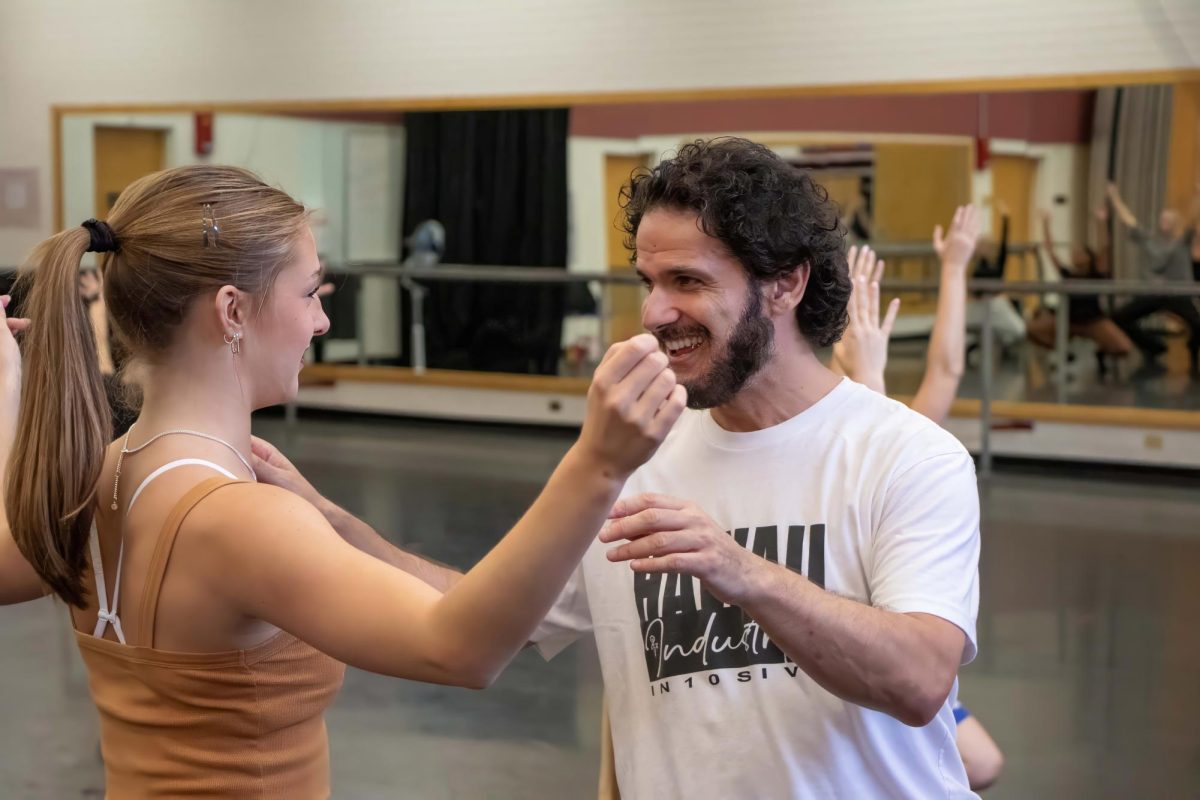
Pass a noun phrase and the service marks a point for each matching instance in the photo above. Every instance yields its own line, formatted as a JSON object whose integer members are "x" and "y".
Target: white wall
{"x": 373, "y": 208}
{"x": 981, "y": 196}
{"x": 130, "y": 51}
{"x": 1063, "y": 170}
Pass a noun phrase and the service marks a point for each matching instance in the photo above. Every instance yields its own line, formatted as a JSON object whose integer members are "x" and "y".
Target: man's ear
{"x": 785, "y": 292}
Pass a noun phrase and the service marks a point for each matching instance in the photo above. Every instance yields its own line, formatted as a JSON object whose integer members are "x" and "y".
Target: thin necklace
{"x": 126, "y": 450}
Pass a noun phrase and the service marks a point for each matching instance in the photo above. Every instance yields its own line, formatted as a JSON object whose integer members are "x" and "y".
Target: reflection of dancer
{"x": 213, "y": 666}
{"x": 857, "y": 219}
{"x": 805, "y": 638}
{"x": 1008, "y": 326}
{"x": 1166, "y": 258}
{"x": 1193, "y": 234}
{"x": 120, "y": 399}
{"x": 862, "y": 354}
{"x": 1087, "y": 319}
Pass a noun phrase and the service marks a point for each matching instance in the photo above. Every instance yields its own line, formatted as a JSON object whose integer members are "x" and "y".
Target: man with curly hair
{"x": 786, "y": 590}
{"x": 802, "y": 551}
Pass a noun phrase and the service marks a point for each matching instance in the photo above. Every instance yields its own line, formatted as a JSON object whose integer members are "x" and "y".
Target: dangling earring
{"x": 235, "y": 343}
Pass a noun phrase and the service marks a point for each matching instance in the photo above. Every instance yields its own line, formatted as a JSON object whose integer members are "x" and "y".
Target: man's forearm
{"x": 362, "y": 536}
{"x": 868, "y": 656}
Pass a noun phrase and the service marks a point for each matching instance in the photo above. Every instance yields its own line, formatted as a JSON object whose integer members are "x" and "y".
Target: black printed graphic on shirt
{"x": 685, "y": 629}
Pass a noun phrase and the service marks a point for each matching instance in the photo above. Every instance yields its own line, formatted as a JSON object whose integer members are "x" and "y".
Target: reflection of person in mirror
{"x": 857, "y": 219}
{"x": 1008, "y": 326}
{"x": 785, "y": 592}
{"x": 862, "y": 352}
{"x": 1087, "y": 318}
{"x": 1192, "y": 233}
{"x": 212, "y": 677}
{"x": 1166, "y": 258}
{"x": 122, "y": 399}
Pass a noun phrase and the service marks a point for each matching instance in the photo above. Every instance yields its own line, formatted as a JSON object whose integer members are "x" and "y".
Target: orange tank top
{"x": 239, "y": 724}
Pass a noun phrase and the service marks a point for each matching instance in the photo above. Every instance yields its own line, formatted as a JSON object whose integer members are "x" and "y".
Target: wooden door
{"x": 1183, "y": 160}
{"x": 122, "y": 155}
{"x": 624, "y": 303}
{"x": 918, "y": 186}
{"x": 1013, "y": 178}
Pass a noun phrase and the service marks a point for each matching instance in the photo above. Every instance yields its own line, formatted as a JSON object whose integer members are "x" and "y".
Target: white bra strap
{"x": 183, "y": 462}
{"x": 105, "y": 616}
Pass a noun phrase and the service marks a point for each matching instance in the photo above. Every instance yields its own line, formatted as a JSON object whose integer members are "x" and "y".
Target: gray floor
{"x": 1088, "y": 675}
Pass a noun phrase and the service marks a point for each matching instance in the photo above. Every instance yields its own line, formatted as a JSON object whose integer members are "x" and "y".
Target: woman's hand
{"x": 957, "y": 246}
{"x": 861, "y": 354}
{"x": 631, "y": 406}
{"x": 10, "y": 376}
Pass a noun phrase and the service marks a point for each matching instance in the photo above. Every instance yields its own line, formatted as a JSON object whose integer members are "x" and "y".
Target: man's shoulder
{"x": 1139, "y": 234}
{"x": 861, "y": 414}
{"x": 882, "y": 423}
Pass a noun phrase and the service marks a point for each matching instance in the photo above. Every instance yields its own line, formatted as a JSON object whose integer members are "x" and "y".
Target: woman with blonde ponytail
{"x": 214, "y": 614}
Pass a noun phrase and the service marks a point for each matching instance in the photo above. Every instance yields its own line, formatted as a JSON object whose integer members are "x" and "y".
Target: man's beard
{"x": 746, "y": 351}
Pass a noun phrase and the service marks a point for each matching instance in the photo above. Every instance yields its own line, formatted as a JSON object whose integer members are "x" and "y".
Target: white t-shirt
{"x": 865, "y": 497}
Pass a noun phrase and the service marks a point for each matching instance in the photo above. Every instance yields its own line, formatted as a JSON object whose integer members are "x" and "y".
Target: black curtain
{"x": 497, "y": 181}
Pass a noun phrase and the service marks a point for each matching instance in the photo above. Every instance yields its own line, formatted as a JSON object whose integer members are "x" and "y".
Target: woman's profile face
{"x": 281, "y": 333}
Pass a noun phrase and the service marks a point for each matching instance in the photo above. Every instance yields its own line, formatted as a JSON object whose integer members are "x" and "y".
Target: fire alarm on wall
{"x": 204, "y": 133}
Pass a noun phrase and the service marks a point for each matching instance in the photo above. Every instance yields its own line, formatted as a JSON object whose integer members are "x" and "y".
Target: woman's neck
{"x": 175, "y": 399}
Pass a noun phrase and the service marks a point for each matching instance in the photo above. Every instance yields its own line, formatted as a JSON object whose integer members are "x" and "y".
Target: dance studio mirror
{"x": 539, "y": 188}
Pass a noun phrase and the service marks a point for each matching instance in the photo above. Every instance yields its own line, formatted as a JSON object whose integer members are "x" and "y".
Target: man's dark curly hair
{"x": 771, "y": 216}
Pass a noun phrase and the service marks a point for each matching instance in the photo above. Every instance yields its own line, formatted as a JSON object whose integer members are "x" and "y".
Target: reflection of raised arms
{"x": 1002, "y": 252}
{"x": 1122, "y": 211}
{"x": 1103, "y": 260}
{"x": 91, "y": 287}
{"x": 945, "y": 357}
{"x": 858, "y": 223}
{"x": 1193, "y": 213}
{"x": 861, "y": 353}
{"x": 1048, "y": 244}
{"x": 1191, "y": 223}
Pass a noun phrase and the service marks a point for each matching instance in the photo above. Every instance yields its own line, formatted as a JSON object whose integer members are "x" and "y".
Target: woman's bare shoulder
{"x": 242, "y": 504}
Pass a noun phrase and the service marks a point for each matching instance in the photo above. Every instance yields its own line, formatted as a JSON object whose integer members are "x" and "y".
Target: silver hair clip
{"x": 212, "y": 231}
